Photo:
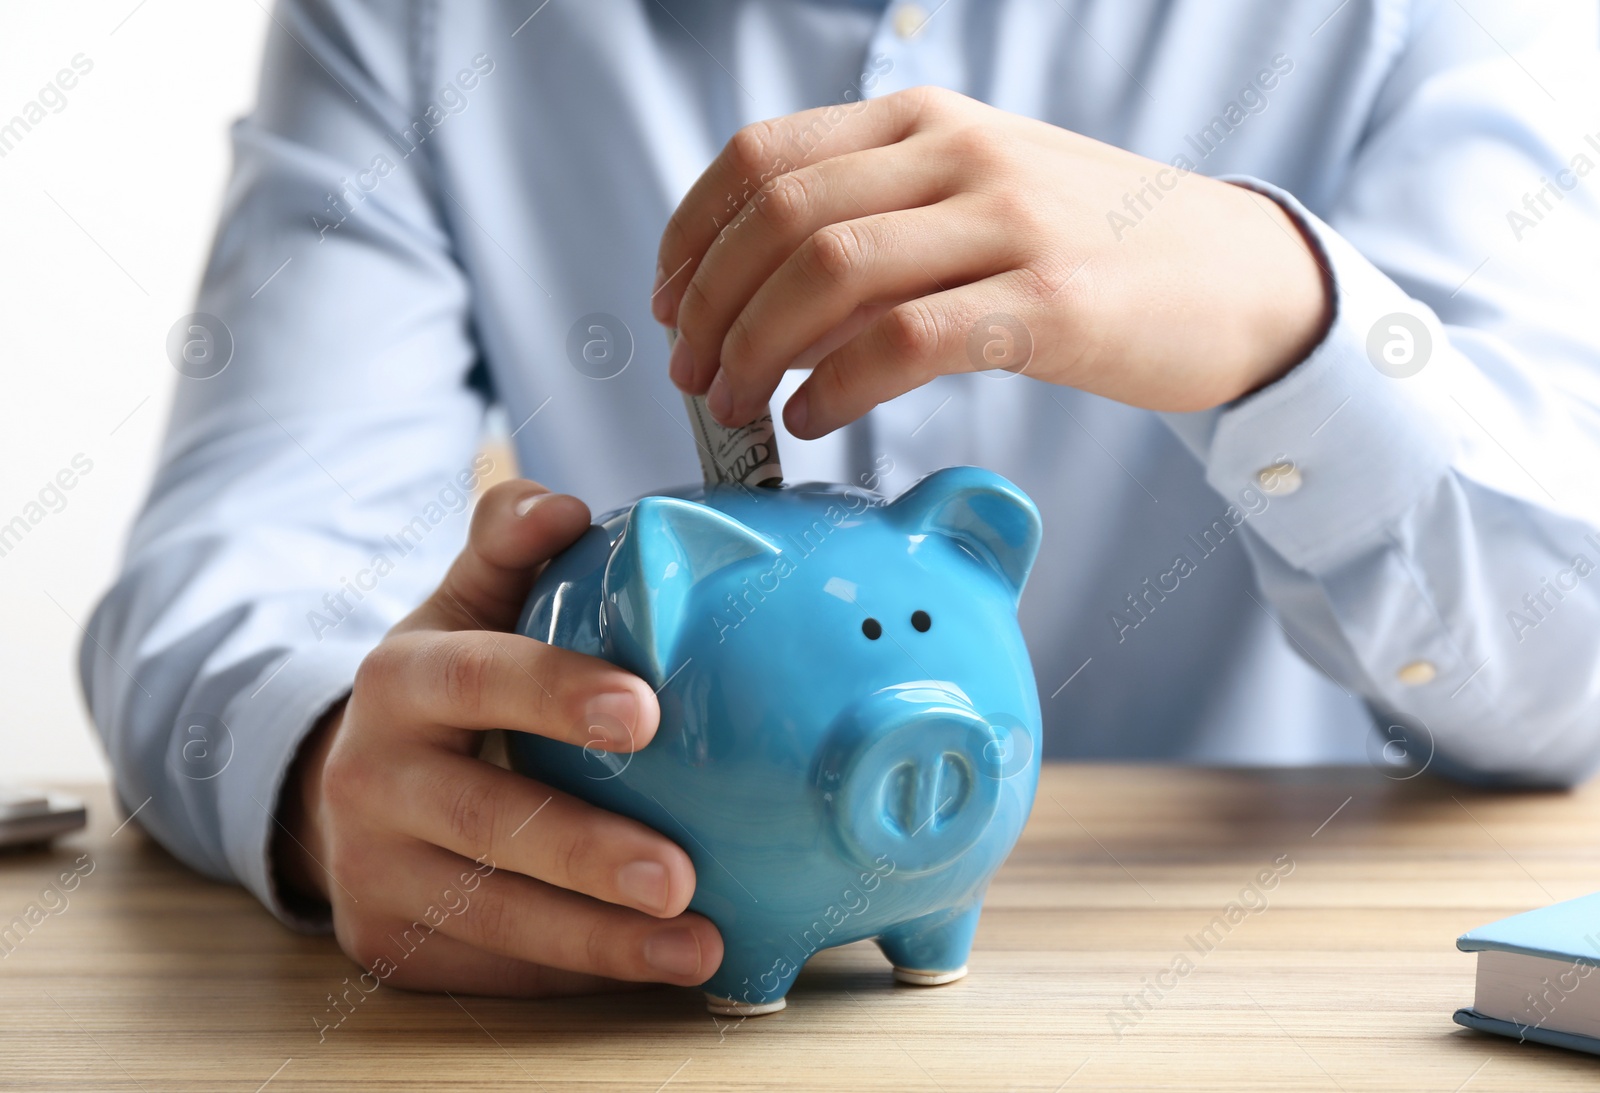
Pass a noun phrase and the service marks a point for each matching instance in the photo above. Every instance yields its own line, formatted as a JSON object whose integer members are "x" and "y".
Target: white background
{"x": 129, "y": 173}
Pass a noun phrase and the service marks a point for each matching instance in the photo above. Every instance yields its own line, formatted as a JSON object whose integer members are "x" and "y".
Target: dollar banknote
{"x": 746, "y": 455}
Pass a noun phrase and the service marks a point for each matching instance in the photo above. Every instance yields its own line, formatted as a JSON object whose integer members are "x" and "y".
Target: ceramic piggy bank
{"x": 850, "y": 738}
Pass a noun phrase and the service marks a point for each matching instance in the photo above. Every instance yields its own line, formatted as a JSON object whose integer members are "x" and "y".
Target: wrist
{"x": 298, "y": 837}
{"x": 1295, "y": 296}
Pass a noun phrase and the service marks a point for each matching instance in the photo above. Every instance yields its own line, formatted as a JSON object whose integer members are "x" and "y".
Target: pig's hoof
{"x": 919, "y": 978}
{"x": 727, "y": 1007}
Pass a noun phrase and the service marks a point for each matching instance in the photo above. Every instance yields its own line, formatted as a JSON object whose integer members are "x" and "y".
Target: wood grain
{"x": 1343, "y": 978}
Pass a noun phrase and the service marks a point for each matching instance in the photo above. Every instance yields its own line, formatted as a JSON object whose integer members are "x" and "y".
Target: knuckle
{"x": 835, "y": 385}
{"x": 911, "y": 331}
{"x": 1032, "y": 223}
{"x": 930, "y": 100}
{"x": 493, "y": 920}
{"x": 742, "y": 344}
{"x": 977, "y": 144}
{"x": 601, "y": 952}
{"x": 1011, "y": 206}
{"x": 839, "y": 253}
{"x": 374, "y": 672}
{"x": 695, "y": 303}
{"x": 464, "y": 673}
{"x": 472, "y": 815}
{"x": 345, "y": 862}
{"x": 1033, "y": 285}
{"x": 573, "y": 857}
{"x": 748, "y": 149}
{"x": 344, "y": 782}
{"x": 786, "y": 203}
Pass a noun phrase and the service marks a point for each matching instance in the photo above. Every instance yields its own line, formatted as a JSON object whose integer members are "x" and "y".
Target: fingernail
{"x": 525, "y": 506}
{"x": 673, "y": 952}
{"x": 644, "y": 884}
{"x": 680, "y": 365}
{"x": 658, "y": 301}
{"x": 796, "y": 412}
{"x": 719, "y": 400}
{"x": 611, "y": 718}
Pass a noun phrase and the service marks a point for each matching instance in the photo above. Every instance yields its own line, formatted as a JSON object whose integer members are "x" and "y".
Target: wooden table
{"x": 1344, "y": 978}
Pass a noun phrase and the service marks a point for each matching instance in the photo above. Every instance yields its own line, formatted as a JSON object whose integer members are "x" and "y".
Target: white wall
{"x": 129, "y": 173}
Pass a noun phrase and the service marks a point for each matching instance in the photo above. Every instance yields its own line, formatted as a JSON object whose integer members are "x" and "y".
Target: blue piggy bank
{"x": 850, "y": 736}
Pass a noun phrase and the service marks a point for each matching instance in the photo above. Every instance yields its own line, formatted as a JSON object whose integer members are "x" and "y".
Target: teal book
{"x": 1539, "y": 976}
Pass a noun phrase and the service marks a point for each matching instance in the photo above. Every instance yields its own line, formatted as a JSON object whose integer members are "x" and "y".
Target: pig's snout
{"x": 912, "y": 776}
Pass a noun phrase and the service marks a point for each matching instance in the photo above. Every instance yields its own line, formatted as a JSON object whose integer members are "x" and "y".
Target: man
{"x": 1300, "y": 297}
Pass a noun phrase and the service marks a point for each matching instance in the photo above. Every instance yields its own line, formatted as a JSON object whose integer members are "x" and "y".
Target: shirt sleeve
{"x": 1420, "y": 492}
{"x": 319, "y": 458}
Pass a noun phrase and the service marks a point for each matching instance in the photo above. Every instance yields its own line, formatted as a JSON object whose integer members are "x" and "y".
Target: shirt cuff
{"x": 267, "y": 727}
{"x": 1341, "y": 448}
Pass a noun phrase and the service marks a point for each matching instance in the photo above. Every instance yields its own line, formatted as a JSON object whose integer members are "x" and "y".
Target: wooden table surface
{"x": 1344, "y": 977}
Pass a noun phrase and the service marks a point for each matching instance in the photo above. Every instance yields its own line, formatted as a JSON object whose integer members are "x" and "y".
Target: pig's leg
{"x": 749, "y": 982}
{"x": 933, "y": 949}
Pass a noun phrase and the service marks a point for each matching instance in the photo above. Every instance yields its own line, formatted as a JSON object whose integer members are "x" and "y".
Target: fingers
{"x": 516, "y": 527}
{"x": 516, "y": 916}
{"x": 779, "y": 218}
{"x": 439, "y": 685}
{"x": 412, "y": 955}
{"x": 482, "y": 811}
{"x": 753, "y": 158}
{"x": 894, "y": 257}
{"x": 910, "y": 345}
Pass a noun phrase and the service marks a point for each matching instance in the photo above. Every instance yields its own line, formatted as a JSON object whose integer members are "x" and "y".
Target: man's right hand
{"x": 389, "y": 813}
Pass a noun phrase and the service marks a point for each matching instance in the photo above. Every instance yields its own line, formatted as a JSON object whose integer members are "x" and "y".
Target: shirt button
{"x": 1417, "y": 673}
{"x": 1279, "y": 479}
{"x": 908, "y": 20}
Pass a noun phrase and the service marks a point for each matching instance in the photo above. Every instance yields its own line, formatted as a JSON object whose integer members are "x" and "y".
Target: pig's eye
{"x": 873, "y": 629}
{"x": 921, "y": 621}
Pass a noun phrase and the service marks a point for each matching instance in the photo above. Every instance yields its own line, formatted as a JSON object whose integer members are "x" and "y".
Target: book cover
{"x": 1567, "y": 935}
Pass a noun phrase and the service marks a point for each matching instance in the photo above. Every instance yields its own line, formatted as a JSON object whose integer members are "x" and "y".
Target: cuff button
{"x": 1417, "y": 673}
{"x": 1279, "y": 479}
{"x": 908, "y": 21}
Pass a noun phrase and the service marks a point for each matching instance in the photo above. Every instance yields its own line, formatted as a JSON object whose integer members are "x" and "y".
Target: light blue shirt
{"x": 429, "y": 198}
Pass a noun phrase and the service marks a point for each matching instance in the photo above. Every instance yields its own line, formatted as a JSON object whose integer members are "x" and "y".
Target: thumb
{"x": 517, "y": 526}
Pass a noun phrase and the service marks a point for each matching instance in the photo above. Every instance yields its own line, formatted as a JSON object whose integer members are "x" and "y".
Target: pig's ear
{"x": 988, "y": 516}
{"x": 669, "y": 546}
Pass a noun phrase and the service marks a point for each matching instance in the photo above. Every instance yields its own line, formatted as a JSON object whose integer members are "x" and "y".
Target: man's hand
{"x": 395, "y": 822}
{"x": 890, "y": 241}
